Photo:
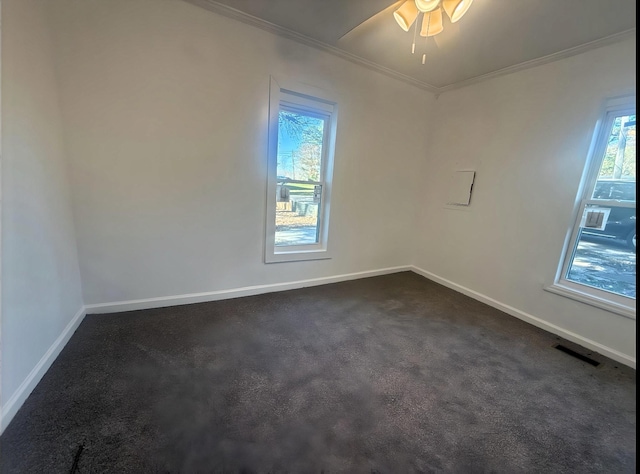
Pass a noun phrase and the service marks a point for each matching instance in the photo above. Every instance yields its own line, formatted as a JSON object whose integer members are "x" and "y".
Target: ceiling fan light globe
{"x": 406, "y": 14}
{"x": 427, "y": 5}
{"x": 432, "y": 23}
{"x": 455, "y": 9}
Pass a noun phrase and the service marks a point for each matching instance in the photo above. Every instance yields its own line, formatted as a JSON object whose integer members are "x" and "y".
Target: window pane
{"x": 617, "y": 175}
{"x": 300, "y": 141}
{"x": 299, "y": 146}
{"x": 605, "y": 256}
{"x": 297, "y": 221}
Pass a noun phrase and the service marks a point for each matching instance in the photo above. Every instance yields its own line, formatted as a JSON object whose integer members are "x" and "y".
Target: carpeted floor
{"x": 392, "y": 374}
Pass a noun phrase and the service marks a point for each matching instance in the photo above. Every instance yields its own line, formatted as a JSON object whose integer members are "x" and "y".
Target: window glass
{"x": 604, "y": 258}
{"x": 299, "y": 176}
{"x": 300, "y": 139}
{"x": 604, "y": 249}
{"x": 300, "y": 154}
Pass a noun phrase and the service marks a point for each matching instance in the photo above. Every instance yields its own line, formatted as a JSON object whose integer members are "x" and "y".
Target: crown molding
{"x": 566, "y": 53}
{"x": 251, "y": 20}
{"x": 238, "y": 15}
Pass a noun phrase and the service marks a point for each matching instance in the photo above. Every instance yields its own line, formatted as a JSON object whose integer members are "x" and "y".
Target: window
{"x": 302, "y": 128}
{"x": 600, "y": 263}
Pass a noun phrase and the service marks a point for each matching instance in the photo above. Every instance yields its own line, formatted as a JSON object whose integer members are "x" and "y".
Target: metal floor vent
{"x": 577, "y": 355}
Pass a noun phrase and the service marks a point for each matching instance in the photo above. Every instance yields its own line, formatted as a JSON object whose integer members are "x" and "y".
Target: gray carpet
{"x": 390, "y": 374}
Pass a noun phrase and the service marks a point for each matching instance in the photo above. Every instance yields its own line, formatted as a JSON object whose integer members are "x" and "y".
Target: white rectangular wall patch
{"x": 460, "y": 188}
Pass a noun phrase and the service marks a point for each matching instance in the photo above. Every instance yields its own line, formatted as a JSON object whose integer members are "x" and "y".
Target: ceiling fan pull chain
{"x": 415, "y": 33}
{"x": 426, "y": 38}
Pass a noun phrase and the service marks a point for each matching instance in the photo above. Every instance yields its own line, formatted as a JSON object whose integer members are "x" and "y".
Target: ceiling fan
{"x": 425, "y": 16}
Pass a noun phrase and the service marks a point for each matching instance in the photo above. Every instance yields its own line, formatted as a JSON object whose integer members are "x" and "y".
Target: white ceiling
{"x": 494, "y": 36}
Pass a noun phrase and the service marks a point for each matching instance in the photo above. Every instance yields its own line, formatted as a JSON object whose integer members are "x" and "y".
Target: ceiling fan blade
{"x": 371, "y": 21}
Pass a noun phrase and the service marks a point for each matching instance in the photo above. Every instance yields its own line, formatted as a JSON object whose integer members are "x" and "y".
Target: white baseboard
{"x": 175, "y": 300}
{"x": 541, "y": 323}
{"x": 26, "y": 387}
{"x": 8, "y": 411}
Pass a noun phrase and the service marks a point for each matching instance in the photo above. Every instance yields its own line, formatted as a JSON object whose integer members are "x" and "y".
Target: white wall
{"x": 166, "y": 109}
{"x": 527, "y": 134}
{"x": 41, "y": 290}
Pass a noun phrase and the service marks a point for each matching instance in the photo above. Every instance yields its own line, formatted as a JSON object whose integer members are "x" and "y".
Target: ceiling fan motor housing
{"x": 427, "y": 5}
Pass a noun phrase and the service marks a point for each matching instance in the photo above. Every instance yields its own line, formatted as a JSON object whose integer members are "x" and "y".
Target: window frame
{"x": 315, "y": 102}
{"x": 613, "y": 302}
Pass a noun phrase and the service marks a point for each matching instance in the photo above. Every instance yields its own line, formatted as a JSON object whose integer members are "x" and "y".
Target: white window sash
{"x": 312, "y": 102}
{"x": 613, "y": 302}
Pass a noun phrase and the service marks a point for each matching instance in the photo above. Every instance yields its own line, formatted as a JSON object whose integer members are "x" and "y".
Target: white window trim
{"x": 608, "y": 301}
{"x": 317, "y": 101}
{"x": 577, "y": 292}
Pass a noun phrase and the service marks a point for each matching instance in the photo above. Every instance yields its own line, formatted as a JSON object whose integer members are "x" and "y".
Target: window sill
{"x": 297, "y": 256}
{"x": 592, "y": 300}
